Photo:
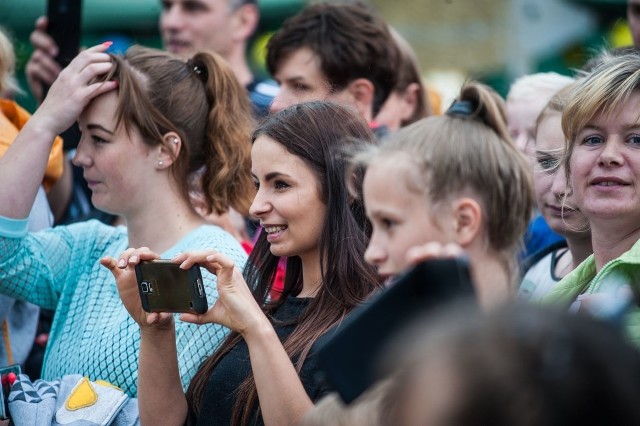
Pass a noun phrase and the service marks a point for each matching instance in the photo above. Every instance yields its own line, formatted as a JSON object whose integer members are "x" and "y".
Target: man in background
{"x": 341, "y": 52}
{"x": 186, "y": 27}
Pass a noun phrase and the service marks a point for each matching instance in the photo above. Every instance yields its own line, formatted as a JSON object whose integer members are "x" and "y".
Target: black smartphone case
{"x": 349, "y": 358}
{"x": 164, "y": 287}
{"x": 65, "y": 27}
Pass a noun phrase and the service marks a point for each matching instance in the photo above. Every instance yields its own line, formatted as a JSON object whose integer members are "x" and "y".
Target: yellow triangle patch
{"x": 83, "y": 395}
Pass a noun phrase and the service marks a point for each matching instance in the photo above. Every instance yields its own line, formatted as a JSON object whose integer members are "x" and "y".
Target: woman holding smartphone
{"x": 153, "y": 127}
{"x": 265, "y": 371}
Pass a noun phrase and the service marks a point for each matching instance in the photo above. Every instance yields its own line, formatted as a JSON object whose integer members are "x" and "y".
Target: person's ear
{"x": 410, "y": 98}
{"x": 467, "y": 220}
{"x": 169, "y": 149}
{"x": 244, "y": 22}
{"x": 362, "y": 91}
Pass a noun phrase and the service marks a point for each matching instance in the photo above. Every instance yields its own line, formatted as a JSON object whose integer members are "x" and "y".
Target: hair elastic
{"x": 460, "y": 108}
{"x": 198, "y": 69}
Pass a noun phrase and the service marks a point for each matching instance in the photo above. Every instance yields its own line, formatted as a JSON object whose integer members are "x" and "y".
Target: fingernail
{"x": 53, "y": 51}
{"x": 122, "y": 263}
{"x": 107, "y": 43}
{"x": 133, "y": 259}
{"x": 117, "y": 83}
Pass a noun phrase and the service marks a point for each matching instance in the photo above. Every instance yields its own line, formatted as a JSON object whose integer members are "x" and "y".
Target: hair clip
{"x": 460, "y": 108}
{"x": 199, "y": 70}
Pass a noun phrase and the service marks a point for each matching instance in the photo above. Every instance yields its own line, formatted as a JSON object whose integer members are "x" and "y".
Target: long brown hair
{"x": 316, "y": 132}
{"x": 202, "y": 101}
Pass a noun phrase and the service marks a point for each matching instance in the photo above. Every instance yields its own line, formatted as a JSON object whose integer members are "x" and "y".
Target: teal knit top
{"x": 92, "y": 333}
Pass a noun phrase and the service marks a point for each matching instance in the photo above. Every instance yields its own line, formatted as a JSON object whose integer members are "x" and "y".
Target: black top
{"x": 234, "y": 367}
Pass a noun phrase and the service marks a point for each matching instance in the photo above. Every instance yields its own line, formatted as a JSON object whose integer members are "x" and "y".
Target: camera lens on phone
{"x": 199, "y": 285}
{"x": 144, "y": 286}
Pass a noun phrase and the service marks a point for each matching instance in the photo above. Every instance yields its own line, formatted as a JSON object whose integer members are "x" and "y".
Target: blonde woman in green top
{"x": 602, "y": 160}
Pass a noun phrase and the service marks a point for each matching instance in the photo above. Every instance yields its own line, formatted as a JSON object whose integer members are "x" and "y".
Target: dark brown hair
{"x": 202, "y": 101}
{"x": 349, "y": 39}
{"x": 316, "y": 132}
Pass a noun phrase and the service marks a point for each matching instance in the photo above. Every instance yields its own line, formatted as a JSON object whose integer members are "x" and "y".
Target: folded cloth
{"x": 72, "y": 400}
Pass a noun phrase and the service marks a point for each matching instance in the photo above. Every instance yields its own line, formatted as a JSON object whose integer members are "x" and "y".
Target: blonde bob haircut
{"x": 468, "y": 154}
{"x": 607, "y": 87}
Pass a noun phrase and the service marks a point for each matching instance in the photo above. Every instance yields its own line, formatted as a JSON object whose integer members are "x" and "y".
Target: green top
{"x": 625, "y": 270}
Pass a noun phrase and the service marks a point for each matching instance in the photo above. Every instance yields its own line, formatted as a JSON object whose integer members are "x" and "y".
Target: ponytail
{"x": 226, "y": 179}
{"x": 484, "y": 105}
{"x": 468, "y": 150}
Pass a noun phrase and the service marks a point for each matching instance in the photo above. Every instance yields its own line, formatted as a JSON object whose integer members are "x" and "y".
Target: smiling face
{"x": 190, "y": 26}
{"x": 288, "y": 202}
{"x": 557, "y": 207}
{"x": 112, "y": 161}
{"x": 605, "y": 165}
{"x": 401, "y": 216}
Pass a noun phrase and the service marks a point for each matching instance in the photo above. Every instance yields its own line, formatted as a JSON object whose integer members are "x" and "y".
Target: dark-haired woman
{"x": 264, "y": 371}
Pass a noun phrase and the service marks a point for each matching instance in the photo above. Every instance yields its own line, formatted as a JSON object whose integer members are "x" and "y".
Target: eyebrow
{"x": 99, "y": 127}
{"x": 295, "y": 79}
{"x": 273, "y": 175}
{"x": 627, "y": 127}
{"x": 550, "y": 152}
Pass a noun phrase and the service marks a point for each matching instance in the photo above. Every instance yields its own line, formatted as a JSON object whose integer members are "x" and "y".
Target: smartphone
{"x": 65, "y": 22}
{"x": 349, "y": 358}
{"x": 165, "y": 287}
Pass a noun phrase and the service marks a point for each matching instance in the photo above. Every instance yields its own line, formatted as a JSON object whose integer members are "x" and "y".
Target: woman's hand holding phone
{"x": 236, "y": 307}
{"x": 123, "y": 270}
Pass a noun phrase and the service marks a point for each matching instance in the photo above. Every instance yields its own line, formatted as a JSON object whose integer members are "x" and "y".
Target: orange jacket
{"x": 12, "y": 118}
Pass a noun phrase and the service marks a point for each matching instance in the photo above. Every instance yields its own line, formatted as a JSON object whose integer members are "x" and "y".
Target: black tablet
{"x": 349, "y": 359}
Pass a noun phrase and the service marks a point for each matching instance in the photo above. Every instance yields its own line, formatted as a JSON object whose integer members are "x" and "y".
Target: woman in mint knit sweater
{"x": 154, "y": 128}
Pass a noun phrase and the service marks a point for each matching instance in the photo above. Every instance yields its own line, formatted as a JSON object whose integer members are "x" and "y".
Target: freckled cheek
{"x": 122, "y": 183}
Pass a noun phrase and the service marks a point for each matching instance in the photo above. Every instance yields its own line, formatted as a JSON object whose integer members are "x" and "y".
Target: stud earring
{"x": 175, "y": 140}
{"x": 160, "y": 163}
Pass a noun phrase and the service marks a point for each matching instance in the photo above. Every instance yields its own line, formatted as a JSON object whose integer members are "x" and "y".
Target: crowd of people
{"x": 300, "y": 199}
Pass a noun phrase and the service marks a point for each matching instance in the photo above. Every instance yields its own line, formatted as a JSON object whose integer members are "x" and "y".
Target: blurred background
{"x": 495, "y": 41}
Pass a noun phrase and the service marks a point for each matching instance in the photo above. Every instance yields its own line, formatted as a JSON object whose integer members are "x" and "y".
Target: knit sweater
{"x": 92, "y": 334}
